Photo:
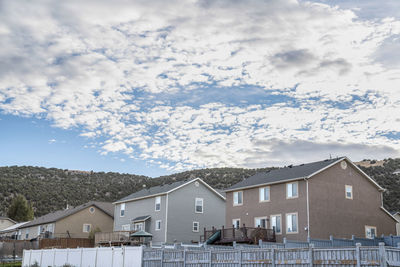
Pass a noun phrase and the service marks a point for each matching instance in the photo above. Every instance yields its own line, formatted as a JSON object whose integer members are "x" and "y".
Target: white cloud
{"x": 106, "y": 67}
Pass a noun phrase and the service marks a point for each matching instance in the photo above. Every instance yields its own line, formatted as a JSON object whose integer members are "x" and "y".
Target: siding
{"x": 4, "y": 223}
{"x": 332, "y": 213}
{"x": 181, "y": 212}
{"x": 143, "y": 207}
{"x": 278, "y": 204}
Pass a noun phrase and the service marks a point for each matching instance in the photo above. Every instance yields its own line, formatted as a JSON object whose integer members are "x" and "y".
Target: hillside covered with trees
{"x": 50, "y": 189}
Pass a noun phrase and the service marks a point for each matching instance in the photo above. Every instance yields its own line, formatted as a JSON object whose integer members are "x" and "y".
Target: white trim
{"x": 394, "y": 218}
{"x": 370, "y": 227}
{"x": 120, "y": 209}
{"x": 234, "y": 224}
{"x": 260, "y": 218}
{"x": 265, "y": 184}
{"x": 198, "y": 227}
{"x": 172, "y": 190}
{"x": 351, "y": 191}
{"x": 155, "y": 203}
{"x": 166, "y": 218}
{"x": 158, "y": 229}
{"x": 84, "y": 228}
{"x": 269, "y": 194}
{"x": 195, "y": 205}
{"x": 297, "y": 191}
{"x": 280, "y": 223}
{"x": 233, "y": 198}
{"x": 297, "y": 223}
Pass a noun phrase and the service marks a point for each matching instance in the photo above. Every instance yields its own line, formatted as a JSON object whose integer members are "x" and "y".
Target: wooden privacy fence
{"x": 357, "y": 256}
{"x": 66, "y": 243}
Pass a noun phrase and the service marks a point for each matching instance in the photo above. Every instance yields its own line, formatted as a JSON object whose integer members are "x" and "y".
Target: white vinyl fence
{"x": 85, "y": 257}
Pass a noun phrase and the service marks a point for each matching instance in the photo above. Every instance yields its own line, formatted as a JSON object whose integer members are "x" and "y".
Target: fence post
{"x": 67, "y": 255}
{"x": 54, "y": 257}
{"x": 112, "y": 256}
{"x": 162, "y": 257}
{"x": 234, "y": 244}
{"x": 80, "y": 265}
{"x": 273, "y": 257}
{"x": 331, "y": 239}
{"x": 240, "y": 257}
{"x": 284, "y": 242}
{"x": 210, "y": 257}
{"x": 95, "y": 260}
{"x": 41, "y": 256}
{"x": 353, "y": 237}
{"x": 358, "y": 255}
{"x": 382, "y": 255}
{"x": 310, "y": 254}
{"x": 184, "y": 257}
{"x": 260, "y": 242}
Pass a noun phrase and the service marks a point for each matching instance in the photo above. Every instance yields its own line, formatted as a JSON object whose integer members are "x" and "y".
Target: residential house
{"x": 72, "y": 222}
{"x": 6, "y": 222}
{"x": 397, "y": 216}
{"x": 12, "y": 232}
{"x": 316, "y": 200}
{"x": 171, "y": 212}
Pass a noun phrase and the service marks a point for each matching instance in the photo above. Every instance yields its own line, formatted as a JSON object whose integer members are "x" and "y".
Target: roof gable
{"x": 164, "y": 189}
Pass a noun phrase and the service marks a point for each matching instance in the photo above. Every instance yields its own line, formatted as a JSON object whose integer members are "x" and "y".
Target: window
{"x": 138, "y": 226}
{"x": 264, "y": 194}
{"x": 158, "y": 225}
{"x": 196, "y": 227}
{"x": 292, "y": 190}
{"x": 91, "y": 209}
{"x": 39, "y": 230}
{"x": 349, "y": 191}
{"x": 260, "y": 222}
{"x": 236, "y": 223}
{"x": 126, "y": 227}
{"x": 86, "y": 227}
{"x": 199, "y": 205}
{"x": 237, "y": 198}
{"x": 50, "y": 228}
{"x": 122, "y": 210}
{"x": 370, "y": 231}
{"x": 291, "y": 223}
{"x": 158, "y": 204}
{"x": 27, "y": 233}
{"x": 276, "y": 223}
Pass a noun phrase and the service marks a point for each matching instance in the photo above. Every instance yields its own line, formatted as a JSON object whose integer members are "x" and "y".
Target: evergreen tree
{"x": 20, "y": 210}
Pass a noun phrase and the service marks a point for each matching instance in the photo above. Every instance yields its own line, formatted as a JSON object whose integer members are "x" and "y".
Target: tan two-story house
{"x": 314, "y": 200}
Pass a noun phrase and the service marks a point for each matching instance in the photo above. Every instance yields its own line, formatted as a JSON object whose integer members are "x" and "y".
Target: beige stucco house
{"x": 73, "y": 222}
{"x": 6, "y": 222}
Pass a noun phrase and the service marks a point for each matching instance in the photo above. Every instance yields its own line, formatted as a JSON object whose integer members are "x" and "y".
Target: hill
{"x": 50, "y": 189}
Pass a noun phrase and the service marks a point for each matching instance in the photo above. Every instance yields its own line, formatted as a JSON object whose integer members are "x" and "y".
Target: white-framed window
{"x": 236, "y": 223}
{"x": 264, "y": 194}
{"x": 196, "y": 227}
{"x": 291, "y": 223}
{"x": 370, "y": 231}
{"x": 86, "y": 227}
{"x": 26, "y": 233}
{"x": 238, "y": 198}
{"x": 122, "y": 210}
{"x": 158, "y": 225}
{"x": 139, "y": 226}
{"x": 157, "y": 204}
{"x": 260, "y": 222}
{"x": 349, "y": 191}
{"x": 198, "y": 205}
{"x": 276, "y": 223}
{"x": 50, "y": 228}
{"x": 292, "y": 190}
{"x": 126, "y": 227}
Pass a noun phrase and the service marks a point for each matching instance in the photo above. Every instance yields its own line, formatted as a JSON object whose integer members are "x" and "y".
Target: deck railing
{"x": 113, "y": 237}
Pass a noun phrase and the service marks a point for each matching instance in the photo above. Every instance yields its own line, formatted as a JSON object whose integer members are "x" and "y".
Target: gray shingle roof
{"x": 282, "y": 174}
{"x": 141, "y": 218}
{"x": 106, "y": 207}
{"x": 155, "y": 190}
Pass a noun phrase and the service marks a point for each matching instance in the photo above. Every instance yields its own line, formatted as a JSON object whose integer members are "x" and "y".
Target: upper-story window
{"x": 158, "y": 203}
{"x": 198, "y": 205}
{"x": 349, "y": 191}
{"x": 264, "y": 194}
{"x": 237, "y": 198}
{"x": 292, "y": 190}
{"x": 122, "y": 210}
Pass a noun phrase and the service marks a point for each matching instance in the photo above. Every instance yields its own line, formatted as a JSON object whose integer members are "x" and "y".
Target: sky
{"x": 155, "y": 87}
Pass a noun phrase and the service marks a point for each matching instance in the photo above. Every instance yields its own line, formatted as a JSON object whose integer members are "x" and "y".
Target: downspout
{"x": 308, "y": 211}
{"x": 166, "y": 218}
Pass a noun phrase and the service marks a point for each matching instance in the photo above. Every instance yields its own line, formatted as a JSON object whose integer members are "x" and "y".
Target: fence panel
{"x": 258, "y": 257}
{"x": 48, "y": 257}
{"x": 296, "y": 244}
{"x": 152, "y": 257}
{"x": 321, "y": 243}
{"x": 345, "y": 257}
{"x": 364, "y": 241}
{"x": 88, "y": 257}
{"x": 272, "y": 245}
{"x": 393, "y": 256}
{"x": 340, "y": 242}
{"x": 292, "y": 257}
{"x": 198, "y": 258}
{"x": 226, "y": 258}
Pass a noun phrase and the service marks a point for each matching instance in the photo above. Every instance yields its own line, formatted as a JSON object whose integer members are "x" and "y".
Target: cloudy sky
{"x": 153, "y": 88}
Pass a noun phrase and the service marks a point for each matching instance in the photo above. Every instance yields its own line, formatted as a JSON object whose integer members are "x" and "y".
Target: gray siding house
{"x": 173, "y": 212}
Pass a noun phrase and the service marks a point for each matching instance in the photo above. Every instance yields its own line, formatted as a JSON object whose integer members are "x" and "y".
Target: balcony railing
{"x": 113, "y": 237}
{"x": 241, "y": 234}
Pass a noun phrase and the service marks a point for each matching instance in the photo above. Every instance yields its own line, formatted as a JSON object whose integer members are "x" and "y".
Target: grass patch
{"x": 11, "y": 264}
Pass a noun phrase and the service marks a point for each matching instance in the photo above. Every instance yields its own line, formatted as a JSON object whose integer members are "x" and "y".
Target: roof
{"x": 164, "y": 189}
{"x": 106, "y": 207}
{"x": 284, "y": 174}
{"x": 141, "y": 218}
{"x": 6, "y": 218}
{"x": 13, "y": 227}
{"x": 141, "y": 233}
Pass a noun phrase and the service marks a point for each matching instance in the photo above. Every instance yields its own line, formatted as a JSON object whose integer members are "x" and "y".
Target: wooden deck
{"x": 250, "y": 235}
{"x": 113, "y": 238}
